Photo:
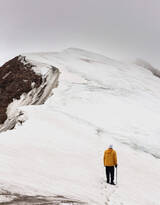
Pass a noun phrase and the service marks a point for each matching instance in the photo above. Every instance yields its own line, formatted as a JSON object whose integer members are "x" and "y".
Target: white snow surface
{"x": 59, "y": 149}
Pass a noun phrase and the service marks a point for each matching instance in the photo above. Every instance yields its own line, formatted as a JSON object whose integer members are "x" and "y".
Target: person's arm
{"x": 104, "y": 157}
{"x": 115, "y": 158}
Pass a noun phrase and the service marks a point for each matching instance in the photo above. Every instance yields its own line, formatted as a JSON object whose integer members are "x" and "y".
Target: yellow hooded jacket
{"x": 110, "y": 157}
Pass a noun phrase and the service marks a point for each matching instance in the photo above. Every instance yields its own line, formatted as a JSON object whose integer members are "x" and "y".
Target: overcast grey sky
{"x": 121, "y": 29}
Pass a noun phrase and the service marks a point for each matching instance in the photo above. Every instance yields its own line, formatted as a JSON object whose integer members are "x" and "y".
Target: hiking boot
{"x": 112, "y": 183}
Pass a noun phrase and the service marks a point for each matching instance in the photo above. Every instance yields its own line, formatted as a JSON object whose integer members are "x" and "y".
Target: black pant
{"x": 110, "y": 174}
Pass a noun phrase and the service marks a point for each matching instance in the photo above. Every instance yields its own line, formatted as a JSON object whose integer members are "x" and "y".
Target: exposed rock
{"x": 10, "y": 198}
{"x": 148, "y": 66}
{"x": 23, "y": 83}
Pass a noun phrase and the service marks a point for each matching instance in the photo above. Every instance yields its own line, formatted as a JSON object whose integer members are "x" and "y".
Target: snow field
{"x": 59, "y": 149}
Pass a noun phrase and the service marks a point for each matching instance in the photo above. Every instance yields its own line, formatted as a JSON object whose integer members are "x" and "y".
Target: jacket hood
{"x": 109, "y": 150}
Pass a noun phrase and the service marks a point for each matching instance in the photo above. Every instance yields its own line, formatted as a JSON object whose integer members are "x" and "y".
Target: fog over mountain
{"x": 123, "y": 29}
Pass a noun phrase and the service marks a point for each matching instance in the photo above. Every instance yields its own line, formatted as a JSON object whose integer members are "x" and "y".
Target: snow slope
{"x": 59, "y": 149}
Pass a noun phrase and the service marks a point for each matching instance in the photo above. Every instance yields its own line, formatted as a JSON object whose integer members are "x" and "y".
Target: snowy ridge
{"x": 59, "y": 149}
{"x": 131, "y": 94}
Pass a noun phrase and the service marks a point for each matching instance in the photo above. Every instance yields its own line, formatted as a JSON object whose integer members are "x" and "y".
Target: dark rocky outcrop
{"x": 15, "y": 78}
{"x": 18, "y": 77}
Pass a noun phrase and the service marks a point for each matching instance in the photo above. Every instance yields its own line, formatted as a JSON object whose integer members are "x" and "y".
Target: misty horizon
{"x": 123, "y": 30}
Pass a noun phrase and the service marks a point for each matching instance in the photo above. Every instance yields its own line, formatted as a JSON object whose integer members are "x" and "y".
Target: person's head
{"x": 110, "y": 146}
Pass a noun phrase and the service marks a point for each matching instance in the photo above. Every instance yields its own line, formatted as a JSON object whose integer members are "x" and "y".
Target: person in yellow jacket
{"x": 110, "y": 161}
